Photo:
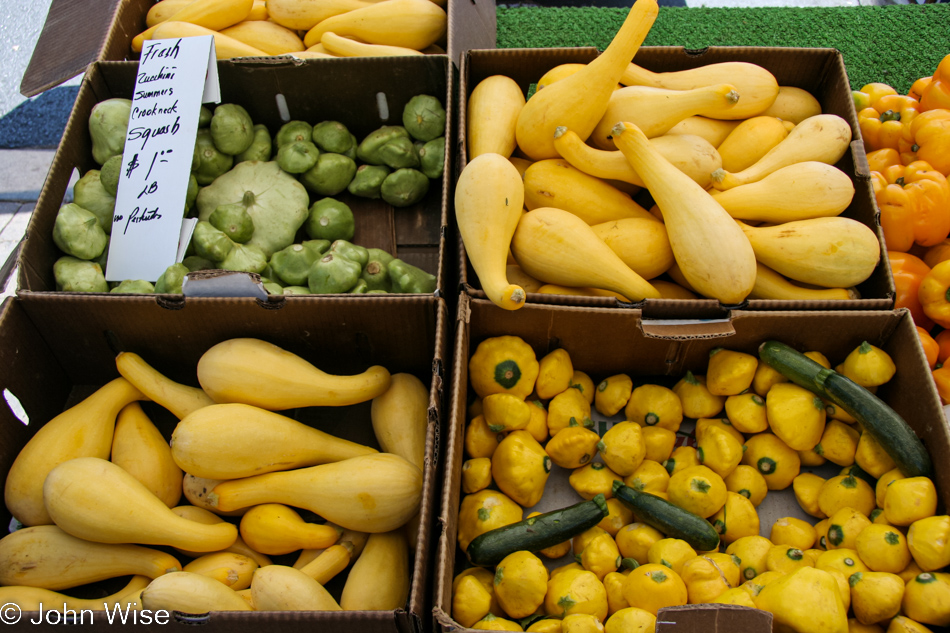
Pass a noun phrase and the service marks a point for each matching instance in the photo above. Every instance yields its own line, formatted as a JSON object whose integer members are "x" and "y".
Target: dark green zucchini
{"x": 672, "y": 520}
{"x": 883, "y": 423}
{"x": 536, "y": 533}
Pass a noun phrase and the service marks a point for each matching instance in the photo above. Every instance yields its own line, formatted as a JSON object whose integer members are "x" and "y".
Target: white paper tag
{"x": 175, "y": 77}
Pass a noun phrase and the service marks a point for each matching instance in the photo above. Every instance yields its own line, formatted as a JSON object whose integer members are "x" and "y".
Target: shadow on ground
{"x": 38, "y": 122}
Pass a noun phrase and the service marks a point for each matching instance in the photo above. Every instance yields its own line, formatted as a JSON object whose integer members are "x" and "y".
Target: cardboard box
{"x": 820, "y": 71}
{"x": 103, "y": 30}
{"x": 345, "y": 90}
{"x": 58, "y": 353}
{"x": 608, "y": 341}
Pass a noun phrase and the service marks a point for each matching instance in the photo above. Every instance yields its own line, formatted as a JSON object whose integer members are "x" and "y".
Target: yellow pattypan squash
{"x": 592, "y": 480}
{"x": 476, "y": 474}
{"x": 555, "y": 372}
{"x": 696, "y": 399}
{"x": 655, "y": 405}
{"x": 581, "y": 623}
{"x": 844, "y": 526}
{"x": 872, "y": 457}
{"x": 929, "y": 542}
{"x": 492, "y": 622}
{"x": 903, "y": 624}
{"x": 729, "y": 372}
{"x": 505, "y": 412}
{"x": 480, "y": 441}
{"x": 747, "y": 412}
{"x": 486, "y": 578}
{"x": 619, "y": 515}
{"x": 622, "y": 448}
{"x": 659, "y": 443}
{"x": 752, "y": 552}
{"x": 503, "y": 364}
{"x": 883, "y": 482}
{"x": 470, "y": 601}
{"x": 545, "y": 625}
{"x": 883, "y": 548}
{"x": 520, "y": 468}
{"x": 601, "y": 555}
{"x": 538, "y": 423}
{"x": 786, "y": 558}
{"x": 793, "y": 531}
{"x": 846, "y": 561}
{"x": 927, "y": 599}
{"x": 910, "y": 499}
{"x": 612, "y": 394}
{"x": 697, "y": 489}
{"x": 748, "y": 482}
{"x": 737, "y": 518}
{"x": 773, "y": 458}
{"x": 765, "y": 377}
{"x": 807, "y": 486}
{"x": 568, "y": 408}
{"x": 613, "y": 584}
{"x": 521, "y": 581}
{"x": 737, "y": 596}
{"x": 704, "y": 580}
{"x": 813, "y": 457}
{"x": 652, "y": 586}
{"x": 576, "y": 591}
{"x": 631, "y": 620}
{"x": 838, "y": 443}
{"x": 483, "y": 511}
{"x": 869, "y": 366}
{"x": 846, "y": 491}
{"x": 805, "y": 601}
{"x": 572, "y": 447}
{"x": 650, "y": 476}
{"x": 583, "y": 383}
{"x": 718, "y": 449}
{"x": 670, "y": 552}
{"x": 635, "y": 540}
{"x": 682, "y": 457}
{"x": 796, "y": 415}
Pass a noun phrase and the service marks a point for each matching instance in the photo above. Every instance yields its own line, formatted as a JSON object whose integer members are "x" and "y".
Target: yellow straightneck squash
{"x": 656, "y": 110}
{"x": 84, "y": 430}
{"x": 189, "y": 592}
{"x": 579, "y": 100}
{"x": 35, "y": 599}
{"x": 823, "y": 138}
{"x": 491, "y": 117}
{"x": 283, "y": 588}
{"x": 800, "y": 191}
{"x": 555, "y": 246}
{"x": 47, "y": 557}
{"x": 412, "y": 24}
{"x": 178, "y": 398}
{"x": 379, "y": 580}
{"x": 489, "y": 198}
{"x": 134, "y": 514}
{"x": 139, "y": 448}
{"x": 830, "y": 252}
{"x": 258, "y": 441}
{"x": 373, "y": 493}
{"x": 710, "y": 249}
{"x": 691, "y": 154}
{"x": 771, "y": 285}
{"x": 757, "y": 85}
{"x": 258, "y": 373}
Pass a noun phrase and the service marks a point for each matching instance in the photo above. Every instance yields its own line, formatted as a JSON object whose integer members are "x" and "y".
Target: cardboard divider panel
{"x": 57, "y": 353}
{"x": 819, "y": 71}
{"x": 362, "y": 93}
{"x": 606, "y": 342}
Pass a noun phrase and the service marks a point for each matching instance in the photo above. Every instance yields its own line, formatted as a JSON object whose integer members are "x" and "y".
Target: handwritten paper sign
{"x": 175, "y": 77}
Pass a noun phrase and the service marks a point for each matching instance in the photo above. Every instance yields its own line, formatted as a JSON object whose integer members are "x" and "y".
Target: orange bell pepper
{"x": 915, "y": 206}
{"x": 918, "y": 87}
{"x": 908, "y": 271}
{"x": 932, "y": 141}
{"x": 943, "y": 342}
{"x": 937, "y": 94}
{"x": 937, "y": 253}
{"x": 877, "y": 90}
{"x": 883, "y": 123}
{"x": 908, "y": 146}
{"x": 881, "y": 159}
{"x": 934, "y": 294}
{"x": 931, "y": 348}
{"x": 942, "y": 380}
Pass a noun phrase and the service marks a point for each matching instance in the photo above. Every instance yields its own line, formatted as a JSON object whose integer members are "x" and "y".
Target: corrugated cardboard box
{"x": 820, "y": 71}
{"x": 98, "y": 30}
{"x": 55, "y": 354}
{"x": 607, "y": 341}
{"x": 361, "y": 93}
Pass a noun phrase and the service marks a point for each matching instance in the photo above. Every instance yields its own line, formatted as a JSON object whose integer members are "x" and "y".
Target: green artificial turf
{"x": 894, "y": 44}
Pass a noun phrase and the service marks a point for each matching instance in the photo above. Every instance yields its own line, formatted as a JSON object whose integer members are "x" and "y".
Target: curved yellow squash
{"x": 303, "y": 15}
{"x": 771, "y": 285}
{"x": 831, "y": 252}
{"x": 493, "y": 109}
{"x": 194, "y": 513}
{"x": 84, "y": 430}
{"x": 642, "y": 244}
{"x": 283, "y": 588}
{"x": 178, "y": 398}
{"x": 750, "y": 141}
{"x": 555, "y": 246}
{"x": 379, "y": 580}
{"x": 757, "y": 85}
{"x": 711, "y": 251}
{"x": 213, "y": 15}
{"x": 34, "y": 598}
{"x": 258, "y": 441}
{"x": 374, "y": 493}
{"x": 713, "y": 130}
{"x": 346, "y": 47}
{"x": 401, "y": 418}
{"x": 193, "y": 593}
{"x": 196, "y": 491}
{"x": 412, "y": 24}
{"x": 270, "y": 37}
{"x": 47, "y": 557}
{"x": 111, "y": 506}
{"x": 224, "y": 47}
{"x": 230, "y": 569}
{"x": 139, "y": 448}
{"x": 273, "y": 528}
{"x": 793, "y": 104}
{"x": 578, "y": 101}
{"x": 252, "y": 371}
{"x": 328, "y": 563}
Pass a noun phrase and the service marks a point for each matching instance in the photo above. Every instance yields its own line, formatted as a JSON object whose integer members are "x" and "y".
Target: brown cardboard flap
{"x": 85, "y": 25}
{"x": 720, "y": 618}
{"x": 686, "y": 330}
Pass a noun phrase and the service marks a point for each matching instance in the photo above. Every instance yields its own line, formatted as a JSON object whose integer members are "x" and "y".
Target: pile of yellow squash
{"x": 873, "y": 557}
{"x": 98, "y": 486}
{"x": 748, "y": 199}
{"x": 337, "y": 28}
